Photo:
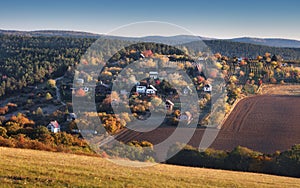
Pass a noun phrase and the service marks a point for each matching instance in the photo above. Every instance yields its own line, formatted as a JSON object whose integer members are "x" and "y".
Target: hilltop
{"x": 21, "y": 167}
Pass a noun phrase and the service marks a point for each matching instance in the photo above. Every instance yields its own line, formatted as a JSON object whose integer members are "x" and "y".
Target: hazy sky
{"x": 210, "y": 18}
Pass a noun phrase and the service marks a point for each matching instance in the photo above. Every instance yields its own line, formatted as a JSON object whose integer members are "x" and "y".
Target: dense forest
{"x": 230, "y": 49}
{"x": 25, "y": 61}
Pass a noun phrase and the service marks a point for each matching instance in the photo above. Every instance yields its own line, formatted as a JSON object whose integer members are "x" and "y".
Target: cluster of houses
{"x": 148, "y": 89}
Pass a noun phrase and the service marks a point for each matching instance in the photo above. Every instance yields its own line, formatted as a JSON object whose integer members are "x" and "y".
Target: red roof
{"x": 147, "y": 53}
{"x": 54, "y": 124}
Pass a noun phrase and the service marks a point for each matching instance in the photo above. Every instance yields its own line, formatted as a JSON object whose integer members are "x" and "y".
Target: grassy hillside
{"x": 20, "y": 167}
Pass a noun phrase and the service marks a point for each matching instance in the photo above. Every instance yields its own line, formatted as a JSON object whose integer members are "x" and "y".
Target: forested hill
{"x": 248, "y": 50}
{"x": 28, "y": 60}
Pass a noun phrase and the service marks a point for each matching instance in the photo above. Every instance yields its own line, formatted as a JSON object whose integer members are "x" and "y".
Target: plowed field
{"x": 263, "y": 123}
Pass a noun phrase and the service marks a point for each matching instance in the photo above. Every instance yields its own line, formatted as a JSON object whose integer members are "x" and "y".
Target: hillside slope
{"x": 28, "y": 168}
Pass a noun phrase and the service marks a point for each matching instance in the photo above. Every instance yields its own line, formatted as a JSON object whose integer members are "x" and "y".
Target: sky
{"x": 208, "y": 18}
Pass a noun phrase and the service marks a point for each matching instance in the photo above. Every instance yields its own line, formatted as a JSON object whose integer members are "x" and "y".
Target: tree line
{"x": 284, "y": 163}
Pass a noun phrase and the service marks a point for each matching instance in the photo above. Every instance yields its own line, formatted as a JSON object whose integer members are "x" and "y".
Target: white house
{"x": 153, "y": 74}
{"x": 207, "y": 88}
{"x": 169, "y": 105}
{"x": 151, "y": 90}
{"x": 141, "y": 89}
{"x": 80, "y": 81}
{"x": 54, "y": 127}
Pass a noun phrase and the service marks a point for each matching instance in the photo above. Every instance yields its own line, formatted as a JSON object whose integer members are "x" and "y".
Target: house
{"x": 207, "y": 88}
{"x": 186, "y": 117}
{"x": 169, "y": 105}
{"x": 54, "y": 127}
{"x": 80, "y": 81}
{"x": 147, "y": 53}
{"x": 141, "y": 89}
{"x": 70, "y": 117}
{"x": 151, "y": 90}
{"x": 153, "y": 74}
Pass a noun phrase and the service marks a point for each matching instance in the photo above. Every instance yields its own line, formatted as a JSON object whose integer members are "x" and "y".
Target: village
{"x": 153, "y": 94}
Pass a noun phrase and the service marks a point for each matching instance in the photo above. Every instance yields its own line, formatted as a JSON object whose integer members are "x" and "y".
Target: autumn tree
{"x": 51, "y": 83}
{"x": 48, "y": 96}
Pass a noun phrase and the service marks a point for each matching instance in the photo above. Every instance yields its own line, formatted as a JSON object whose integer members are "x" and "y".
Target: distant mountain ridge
{"x": 49, "y": 33}
{"x": 178, "y": 39}
{"x": 275, "y": 42}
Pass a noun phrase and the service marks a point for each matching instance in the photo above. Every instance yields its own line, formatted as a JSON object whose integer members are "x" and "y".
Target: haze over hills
{"x": 179, "y": 39}
{"x": 49, "y": 33}
{"x": 275, "y": 42}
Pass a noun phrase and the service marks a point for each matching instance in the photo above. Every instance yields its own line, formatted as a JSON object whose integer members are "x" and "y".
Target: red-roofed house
{"x": 54, "y": 127}
{"x": 147, "y": 53}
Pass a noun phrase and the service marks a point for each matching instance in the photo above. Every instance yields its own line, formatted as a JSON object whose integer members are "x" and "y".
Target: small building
{"x": 147, "y": 53}
{"x": 70, "y": 117}
{"x": 54, "y": 127}
{"x": 153, "y": 74}
{"x": 207, "y": 88}
{"x": 141, "y": 89}
{"x": 151, "y": 90}
{"x": 169, "y": 105}
{"x": 80, "y": 81}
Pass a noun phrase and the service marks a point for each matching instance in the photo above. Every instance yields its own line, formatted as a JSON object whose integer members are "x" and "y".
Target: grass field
{"x": 30, "y": 168}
